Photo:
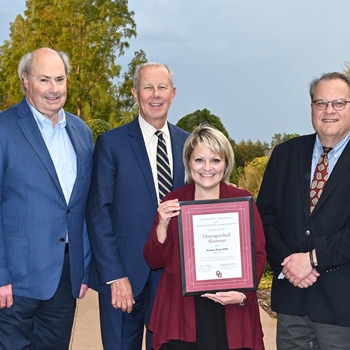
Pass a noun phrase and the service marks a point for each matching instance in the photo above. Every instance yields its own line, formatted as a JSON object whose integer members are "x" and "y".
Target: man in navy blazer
{"x": 122, "y": 204}
{"x": 309, "y": 250}
{"x": 45, "y": 174}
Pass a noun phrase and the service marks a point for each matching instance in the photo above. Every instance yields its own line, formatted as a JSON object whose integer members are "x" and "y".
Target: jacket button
{"x": 307, "y": 232}
{"x": 62, "y": 239}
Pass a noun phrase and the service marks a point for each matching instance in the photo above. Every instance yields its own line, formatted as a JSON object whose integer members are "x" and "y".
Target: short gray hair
{"x": 147, "y": 64}
{"x": 328, "y": 76}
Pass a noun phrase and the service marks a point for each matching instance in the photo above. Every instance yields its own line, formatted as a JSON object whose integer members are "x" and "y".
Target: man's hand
{"x": 122, "y": 296}
{"x": 309, "y": 280}
{"x": 83, "y": 289}
{"x": 6, "y": 298}
{"x": 297, "y": 267}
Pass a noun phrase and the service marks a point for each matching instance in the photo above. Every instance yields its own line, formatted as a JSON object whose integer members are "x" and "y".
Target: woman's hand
{"x": 224, "y": 298}
{"x": 166, "y": 211}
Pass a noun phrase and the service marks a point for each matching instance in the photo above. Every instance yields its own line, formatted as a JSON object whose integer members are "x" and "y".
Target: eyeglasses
{"x": 338, "y": 105}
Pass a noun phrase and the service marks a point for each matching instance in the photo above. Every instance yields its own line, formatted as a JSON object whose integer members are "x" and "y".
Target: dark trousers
{"x": 299, "y": 332}
{"x": 40, "y": 324}
{"x": 123, "y": 331}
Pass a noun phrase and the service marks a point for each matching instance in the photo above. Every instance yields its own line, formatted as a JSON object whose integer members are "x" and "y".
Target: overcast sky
{"x": 248, "y": 62}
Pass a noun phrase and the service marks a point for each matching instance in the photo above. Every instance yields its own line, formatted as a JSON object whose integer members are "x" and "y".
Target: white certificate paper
{"x": 217, "y": 242}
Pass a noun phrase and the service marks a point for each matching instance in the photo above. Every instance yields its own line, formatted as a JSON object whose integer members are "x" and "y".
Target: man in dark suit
{"x": 123, "y": 201}
{"x": 45, "y": 173}
{"x": 307, "y": 230}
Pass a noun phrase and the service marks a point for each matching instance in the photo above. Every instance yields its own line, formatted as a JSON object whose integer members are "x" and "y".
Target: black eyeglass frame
{"x": 332, "y": 102}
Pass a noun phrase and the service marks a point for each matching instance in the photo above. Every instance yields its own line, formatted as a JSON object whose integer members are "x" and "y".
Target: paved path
{"x": 86, "y": 328}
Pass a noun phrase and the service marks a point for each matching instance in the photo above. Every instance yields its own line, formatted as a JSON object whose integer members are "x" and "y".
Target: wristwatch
{"x": 244, "y": 298}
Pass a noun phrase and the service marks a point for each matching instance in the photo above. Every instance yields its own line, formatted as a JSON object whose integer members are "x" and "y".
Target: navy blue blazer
{"x": 122, "y": 204}
{"x": 289, "y": 228}
{"x": 34, "y": 215}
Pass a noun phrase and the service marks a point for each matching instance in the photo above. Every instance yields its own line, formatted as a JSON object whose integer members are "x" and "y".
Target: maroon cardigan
{"x": 173, "y": 316}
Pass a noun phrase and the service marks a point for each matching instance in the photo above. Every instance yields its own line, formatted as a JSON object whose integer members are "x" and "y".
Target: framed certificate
{"x": 217, "y": 250}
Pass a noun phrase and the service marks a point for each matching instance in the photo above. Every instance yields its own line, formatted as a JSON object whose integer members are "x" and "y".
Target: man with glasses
{"x": 304, "y": 202}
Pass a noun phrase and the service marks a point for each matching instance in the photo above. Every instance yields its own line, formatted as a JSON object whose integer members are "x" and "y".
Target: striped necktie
{"x": 320, "y": 178}
{"x": 165, "y": 181}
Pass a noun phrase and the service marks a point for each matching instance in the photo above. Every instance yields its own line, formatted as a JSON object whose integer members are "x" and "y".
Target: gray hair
{"x": 147, "y": 64}
{"x": 216, "y": 141}
{"x": 25, "y": 64}
{"x": 328, "y": 76}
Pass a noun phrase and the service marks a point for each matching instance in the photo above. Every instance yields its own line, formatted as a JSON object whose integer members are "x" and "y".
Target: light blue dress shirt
{"x": 333, "y": 155}
{"x": 60, "y": 148}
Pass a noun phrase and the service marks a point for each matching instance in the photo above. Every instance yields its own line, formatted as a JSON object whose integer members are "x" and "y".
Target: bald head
{"x": 44, "y": 78}
{"x": 26, "y": 61}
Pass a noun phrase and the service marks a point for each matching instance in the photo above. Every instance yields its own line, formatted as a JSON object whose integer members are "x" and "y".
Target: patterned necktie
{"x": 320, "y": 178}
{"x": 165, "y": 181}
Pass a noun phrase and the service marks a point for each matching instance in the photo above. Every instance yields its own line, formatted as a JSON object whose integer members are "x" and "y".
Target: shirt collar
{"x": 41, "y": 120}
{"x": 318, "y": 150}
{"x": 148, "y": 130}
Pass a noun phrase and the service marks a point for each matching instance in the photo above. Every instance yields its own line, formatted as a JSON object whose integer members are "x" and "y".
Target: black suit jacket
{"x": 283, "y": 203}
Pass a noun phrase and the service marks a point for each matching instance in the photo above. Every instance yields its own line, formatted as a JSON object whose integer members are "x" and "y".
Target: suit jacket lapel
{"x": 177, "y": 149}
{"x": 74, "y": 137}
{"x": 138, "y": 147}
{"x": 305, "y": 154}
{"x": 31, "y": 131}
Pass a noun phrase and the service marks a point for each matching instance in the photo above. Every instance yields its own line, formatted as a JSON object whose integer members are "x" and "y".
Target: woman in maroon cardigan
{"x": 220, "y": 321}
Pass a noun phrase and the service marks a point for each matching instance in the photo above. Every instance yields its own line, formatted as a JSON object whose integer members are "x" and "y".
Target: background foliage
{"x": 94, "y": 33}
{"x": 98, "y": 127}
{"x": 251, "y": 175}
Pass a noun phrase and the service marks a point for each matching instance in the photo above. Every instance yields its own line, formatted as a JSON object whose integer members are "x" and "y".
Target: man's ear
{"x": 134, "y": 93}
{"x": 25, "y": 80}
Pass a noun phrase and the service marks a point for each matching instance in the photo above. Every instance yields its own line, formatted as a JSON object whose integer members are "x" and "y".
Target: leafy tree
{"x": 246, "y": 151}
{"x": 94, "y": 33}
{"x": 251, "y": 175}
{"x": 126, "y": 109}
{"x": 190, "y": 121}
{"x": 98, "y": 127}
{"x": 279, "y": 138}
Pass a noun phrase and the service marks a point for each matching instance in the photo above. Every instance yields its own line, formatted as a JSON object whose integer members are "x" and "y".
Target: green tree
{"x": 251, "y": 175}
{"x": 190, "y": 121}
{"x": 98, "y": 127}
{"x": 246, "y": 151}
{"x": 94, "y": 33}
{"x": 126, "y": 109}
{"x": 279, "y": 138}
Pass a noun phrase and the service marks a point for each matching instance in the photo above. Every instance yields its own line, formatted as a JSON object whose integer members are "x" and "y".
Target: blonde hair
{"x": 216, "y": 141}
